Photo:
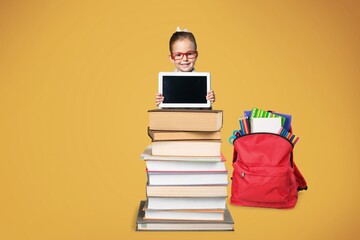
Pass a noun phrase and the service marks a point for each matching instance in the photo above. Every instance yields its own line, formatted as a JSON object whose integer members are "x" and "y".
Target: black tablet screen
{"x": 184, "y": 89}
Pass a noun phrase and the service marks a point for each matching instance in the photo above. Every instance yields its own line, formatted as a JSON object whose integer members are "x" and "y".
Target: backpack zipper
{"x": 265, "y": 133}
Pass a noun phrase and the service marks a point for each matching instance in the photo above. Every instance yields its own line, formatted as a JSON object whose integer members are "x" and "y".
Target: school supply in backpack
{"x": 287, "y": 122}
{"x": 288, "y": 135}
{"x": 270, "y": 125}
{"x": 258, "y": 113}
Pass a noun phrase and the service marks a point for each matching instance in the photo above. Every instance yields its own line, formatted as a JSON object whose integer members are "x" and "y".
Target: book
{"x": 187, "y": 191}
{"x": 157, "y": 135}
{"x": 287, "y": 122}
{"x": 187, "y": 178}
{"x": 185, "y": 119}
{"x": 258, "y": 113}
{"x": 187, "y": 148}
{"x": 269, "y": 125}
{"x": 182, "y": 225}
{"x": 147, "y": 155}
{"x": 173, "y": 166}
{"x": 185, "y": 203}
{"x": 198, "y": 215}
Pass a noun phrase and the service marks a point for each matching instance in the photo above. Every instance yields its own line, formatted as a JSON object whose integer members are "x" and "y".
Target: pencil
{"x": 241, "y": 126}
{"x": 245, "y": 126}
{"x": 280, "y": 130}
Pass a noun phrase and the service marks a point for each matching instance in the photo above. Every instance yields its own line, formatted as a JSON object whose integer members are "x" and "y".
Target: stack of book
{"x": 187, "y": 177}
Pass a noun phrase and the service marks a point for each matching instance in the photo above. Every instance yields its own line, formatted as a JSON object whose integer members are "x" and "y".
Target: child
{"x": 183, "y": 54}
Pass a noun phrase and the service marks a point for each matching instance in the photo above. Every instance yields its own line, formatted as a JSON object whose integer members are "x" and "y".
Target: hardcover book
{"x": 185, "y": 120}
{"x": 187, "y": 166}
{"x": 182, "y": 225}
{"x": 187, "y": 148}
{"x": 187, "y": 178}
{"x": 186, "y": 191}
{"x": 157, "y": 135}
{"x": 147, "y": 155}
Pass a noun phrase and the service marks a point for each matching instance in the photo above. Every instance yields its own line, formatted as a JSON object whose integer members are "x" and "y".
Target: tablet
{"x": 184, "y": 89}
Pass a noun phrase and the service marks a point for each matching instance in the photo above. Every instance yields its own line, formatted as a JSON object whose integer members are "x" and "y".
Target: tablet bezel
{"x": 184, "y": 105}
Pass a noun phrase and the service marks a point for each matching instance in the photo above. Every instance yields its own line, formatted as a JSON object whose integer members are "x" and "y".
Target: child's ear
{"x": 171, "y": 60}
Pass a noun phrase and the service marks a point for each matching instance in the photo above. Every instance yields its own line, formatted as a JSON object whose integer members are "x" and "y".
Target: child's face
{"x": 183, "y": 46}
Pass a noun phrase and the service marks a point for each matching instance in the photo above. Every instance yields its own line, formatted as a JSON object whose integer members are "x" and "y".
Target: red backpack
{"x": 265, "y": 174}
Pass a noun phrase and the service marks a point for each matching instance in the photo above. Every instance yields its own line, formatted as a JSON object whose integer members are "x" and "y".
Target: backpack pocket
{"x": 257, "y": 185}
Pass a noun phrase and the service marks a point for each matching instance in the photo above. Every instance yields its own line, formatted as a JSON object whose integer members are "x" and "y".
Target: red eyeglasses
{"x": 180, "y": 55}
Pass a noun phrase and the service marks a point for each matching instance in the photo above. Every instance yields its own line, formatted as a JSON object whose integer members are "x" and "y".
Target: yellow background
{"x": 77, "y": 79}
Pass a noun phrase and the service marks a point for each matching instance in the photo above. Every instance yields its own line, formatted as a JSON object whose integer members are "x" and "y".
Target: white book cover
{"x": 185, "y": 166}
{"x": 191, "y": 178}
{"x": 198, "y": 215}
{"x": 186, "y": 203}
{"x": 268, "y": 125}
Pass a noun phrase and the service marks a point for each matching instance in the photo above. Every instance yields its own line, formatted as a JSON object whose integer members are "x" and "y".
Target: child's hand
{"x": 159, "y": 99}
{"x": 211, "y": 96}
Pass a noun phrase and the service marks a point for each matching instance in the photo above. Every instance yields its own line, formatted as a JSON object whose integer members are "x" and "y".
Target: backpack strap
{"x": 300, "y": 180}
{"x": 234, "y": 155}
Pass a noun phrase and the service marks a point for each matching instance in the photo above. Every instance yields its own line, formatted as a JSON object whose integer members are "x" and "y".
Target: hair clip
{"x": 179, "y": 30}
